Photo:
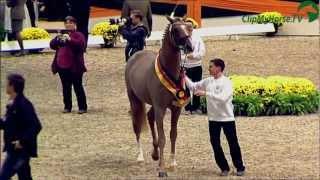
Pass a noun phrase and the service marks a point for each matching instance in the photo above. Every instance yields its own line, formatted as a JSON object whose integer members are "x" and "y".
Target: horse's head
{"x": 180, "y": 36}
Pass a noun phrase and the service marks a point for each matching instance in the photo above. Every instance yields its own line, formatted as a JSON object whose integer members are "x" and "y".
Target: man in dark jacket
{"x": 135, "y": 33}
{"x": 144, "y": 6}
{"x": 21, "y": 127}
{"x": 69, "y": 63}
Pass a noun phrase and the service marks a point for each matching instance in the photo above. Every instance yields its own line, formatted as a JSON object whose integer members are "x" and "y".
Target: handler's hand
{"x": 200, "y": 93}
{"x": 66, "y": 36}
{"x": 17, "y": 145}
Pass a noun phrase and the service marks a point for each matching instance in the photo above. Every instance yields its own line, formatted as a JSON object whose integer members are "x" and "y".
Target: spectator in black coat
{"x": 135, "y": 33}
{"x": 142, "y": 5}
{"x": 21, "y": 127}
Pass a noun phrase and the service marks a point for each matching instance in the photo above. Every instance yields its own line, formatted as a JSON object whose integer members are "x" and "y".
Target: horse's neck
{"x": 169, "y": 58}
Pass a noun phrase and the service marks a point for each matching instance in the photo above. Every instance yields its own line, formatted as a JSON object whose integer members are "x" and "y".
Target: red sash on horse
{"x": 177, "y": 89}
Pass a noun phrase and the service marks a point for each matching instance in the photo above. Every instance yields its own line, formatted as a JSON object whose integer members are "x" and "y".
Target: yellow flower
{"x": 252, "y": 85}
{"x": 105, "y": 29}
{"x": 34, "y": 34}
{"x": 272, "y": 17}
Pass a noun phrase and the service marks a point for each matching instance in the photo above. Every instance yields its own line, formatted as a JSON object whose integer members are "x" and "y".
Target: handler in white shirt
{"x": 218, "y": 91}
{"x": 193, "y": 64}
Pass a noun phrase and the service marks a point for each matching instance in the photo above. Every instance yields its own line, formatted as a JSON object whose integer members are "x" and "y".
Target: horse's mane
{"x": 166, "y": 31}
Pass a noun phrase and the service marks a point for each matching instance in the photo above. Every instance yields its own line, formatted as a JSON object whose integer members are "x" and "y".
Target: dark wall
{"x": 54, "y": 9}
{"x": 57, "y": 9}
{"x": 166, "y": 9}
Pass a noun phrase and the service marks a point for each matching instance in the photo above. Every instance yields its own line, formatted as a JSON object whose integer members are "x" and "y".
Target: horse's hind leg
{"x": 155, "y": 153}
{"x": 138, "y": 120}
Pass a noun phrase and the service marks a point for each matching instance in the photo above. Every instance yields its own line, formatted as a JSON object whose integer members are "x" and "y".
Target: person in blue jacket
{"x": 21, "y": 127}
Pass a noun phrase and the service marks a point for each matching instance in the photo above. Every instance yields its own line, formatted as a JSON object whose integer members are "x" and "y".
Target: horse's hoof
{"x": 163, "y": 174}
{"x": 173, "y": 166}
{"x": 155, "y": 156}
{"x": 140, "y": 159}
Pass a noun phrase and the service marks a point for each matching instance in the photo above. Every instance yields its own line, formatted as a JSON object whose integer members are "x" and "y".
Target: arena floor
{"x": 101, "y": 144}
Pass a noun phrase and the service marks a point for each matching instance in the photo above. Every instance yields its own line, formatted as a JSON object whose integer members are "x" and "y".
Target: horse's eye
{"x": 182, "y": 41}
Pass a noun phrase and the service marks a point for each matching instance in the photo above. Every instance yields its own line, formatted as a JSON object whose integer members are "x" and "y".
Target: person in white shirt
{"x": 193, "y": 64}
{"x": 218, "y": 91}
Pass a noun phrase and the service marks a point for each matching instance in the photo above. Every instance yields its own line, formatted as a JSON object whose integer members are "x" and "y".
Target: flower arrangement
{"x": 253, "y": 85}
{"x": 274, "y": 95}
{"x": 108, "y": 31}
{"x": 271, "y": 17}
{"x": 34, "y": 34}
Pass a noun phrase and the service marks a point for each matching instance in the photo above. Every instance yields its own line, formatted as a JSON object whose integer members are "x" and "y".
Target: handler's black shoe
{"x": 224, "y": 173}
{"x": 66, "y": 111}
{"x": 82, "y": 111}
{"x": 240, "y": 173}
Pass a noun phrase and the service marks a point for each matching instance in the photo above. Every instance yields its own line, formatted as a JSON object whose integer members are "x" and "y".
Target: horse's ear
{"x": 170, "y": 19}
{"x": 184, "y": 18}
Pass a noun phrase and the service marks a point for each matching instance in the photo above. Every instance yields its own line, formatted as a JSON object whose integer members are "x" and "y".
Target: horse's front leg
{"x": 175, "y": 113}
{"x": 159, "y": 115}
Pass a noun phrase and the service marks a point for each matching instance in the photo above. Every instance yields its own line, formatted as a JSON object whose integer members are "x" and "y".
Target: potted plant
{"x": 34, "y": 34}
{"x": 108, "y": 32}
{"x": 276, "y": 18}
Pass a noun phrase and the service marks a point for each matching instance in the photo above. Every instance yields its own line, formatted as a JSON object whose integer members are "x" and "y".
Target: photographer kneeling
{"x": 69, "y": 63}
{"x": 135, "y": 33}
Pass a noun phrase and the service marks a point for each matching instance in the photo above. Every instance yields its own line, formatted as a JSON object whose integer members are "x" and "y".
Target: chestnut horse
{"x": 144, "y": 87}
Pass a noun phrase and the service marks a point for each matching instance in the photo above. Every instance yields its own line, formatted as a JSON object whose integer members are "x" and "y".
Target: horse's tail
{"x": 142, "y": 124}
{"x": 138, "y": 113}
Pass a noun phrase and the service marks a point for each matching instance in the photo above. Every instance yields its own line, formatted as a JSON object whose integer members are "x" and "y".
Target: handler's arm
{"x": 193, "y": 86}
{"x": 225, "y": 95}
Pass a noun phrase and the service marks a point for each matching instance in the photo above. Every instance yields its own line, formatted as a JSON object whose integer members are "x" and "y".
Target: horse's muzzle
{"x": 188, "y": 47}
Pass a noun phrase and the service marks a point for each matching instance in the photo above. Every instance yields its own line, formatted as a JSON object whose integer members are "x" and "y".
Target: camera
{"x": 64, "y": 31}
{"x": 120, "y": 21}
{"x": 63, "y": 38}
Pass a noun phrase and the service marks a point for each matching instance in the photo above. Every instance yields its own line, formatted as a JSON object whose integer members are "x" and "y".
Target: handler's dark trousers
{"x": 16, "y": 163}
{"x": 68, "y": 79}
{"x": 229, "y": 129}
{"x": 195, "y": 74}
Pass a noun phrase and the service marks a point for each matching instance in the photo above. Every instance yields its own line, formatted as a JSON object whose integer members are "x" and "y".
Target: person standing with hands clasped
{"x": 21, "y": 127}
{"x": 218, "y": 91}
{"x": 193, "y": 64}
{"x": 69, "y": 63}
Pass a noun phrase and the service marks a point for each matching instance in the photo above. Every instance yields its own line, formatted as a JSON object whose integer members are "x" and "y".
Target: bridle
{"x": 172, "y": 39}
{"x": 181, "y": 48}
